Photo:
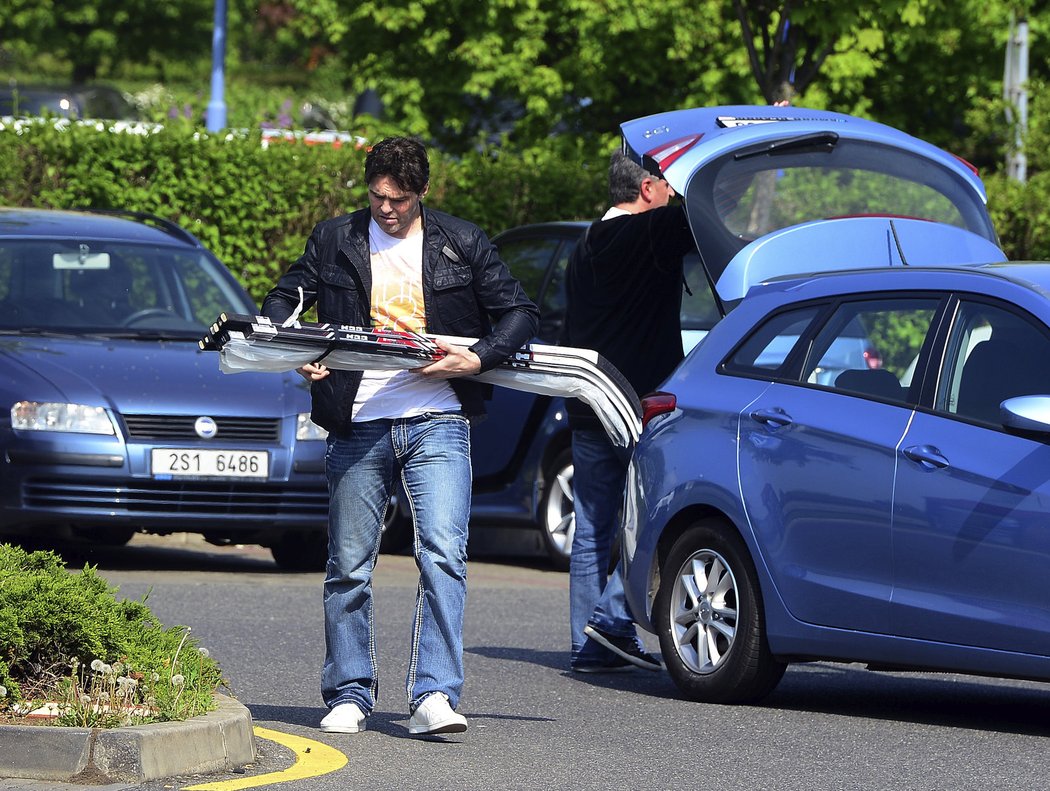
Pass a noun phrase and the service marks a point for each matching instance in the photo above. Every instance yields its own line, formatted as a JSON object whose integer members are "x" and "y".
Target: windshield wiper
{"x": 153, "y": 335}
{"x": 816, "y": 143}
{"x": 41, "y": 332}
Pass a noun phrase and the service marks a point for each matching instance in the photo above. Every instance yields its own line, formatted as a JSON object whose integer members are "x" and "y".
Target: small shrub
{"x": 66, "y": 639}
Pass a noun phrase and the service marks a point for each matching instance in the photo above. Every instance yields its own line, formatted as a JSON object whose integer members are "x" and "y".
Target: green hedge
{"x": 255, "y": 205}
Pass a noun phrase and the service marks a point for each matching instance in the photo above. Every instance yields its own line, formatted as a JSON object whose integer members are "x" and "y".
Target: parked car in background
{"x": 892, "y": 515}
{"x": 113, "y": 421}
{"x": 76, "y": 102}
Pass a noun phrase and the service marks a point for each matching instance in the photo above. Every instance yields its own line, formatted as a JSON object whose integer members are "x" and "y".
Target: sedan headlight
{"x": 49, "y": 416}
{"x": 307, "y": 429}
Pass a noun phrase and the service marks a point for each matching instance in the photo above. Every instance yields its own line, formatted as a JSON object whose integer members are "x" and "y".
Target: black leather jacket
{"x": 464, "y": 283}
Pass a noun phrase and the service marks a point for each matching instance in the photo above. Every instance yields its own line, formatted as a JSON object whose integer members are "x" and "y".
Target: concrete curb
{"x": 219, "y": 741}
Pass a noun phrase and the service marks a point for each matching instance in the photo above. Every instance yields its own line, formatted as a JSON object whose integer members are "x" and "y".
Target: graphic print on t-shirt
{"x": 397, "y": 303}
{"x": 397, "y": 282}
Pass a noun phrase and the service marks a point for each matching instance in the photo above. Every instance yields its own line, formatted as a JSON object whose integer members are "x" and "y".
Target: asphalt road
{"x": 533, "y": 725}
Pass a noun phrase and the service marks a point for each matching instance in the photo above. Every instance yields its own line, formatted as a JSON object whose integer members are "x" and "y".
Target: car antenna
{"x": 897, "y": 241}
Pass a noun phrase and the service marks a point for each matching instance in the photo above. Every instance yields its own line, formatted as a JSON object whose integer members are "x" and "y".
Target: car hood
{"x": 784, "y": 190}
{"x": 134, "y": 376}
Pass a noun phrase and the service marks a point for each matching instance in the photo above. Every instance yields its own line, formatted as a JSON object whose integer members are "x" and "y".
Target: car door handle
{"x": 927, "y": 456}
{"x": 774, "y": 418}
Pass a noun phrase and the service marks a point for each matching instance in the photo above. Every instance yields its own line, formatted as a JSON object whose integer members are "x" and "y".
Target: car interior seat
{"x": 998, "y": 369}
{"x": 103, "y": 295}
{"x": 875, "y": 382}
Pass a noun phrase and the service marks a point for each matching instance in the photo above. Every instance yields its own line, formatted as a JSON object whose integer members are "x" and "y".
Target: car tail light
{"x": 666, "y": 154}
{"x": 658, "y": 403}
{"x": 872, "y": 358}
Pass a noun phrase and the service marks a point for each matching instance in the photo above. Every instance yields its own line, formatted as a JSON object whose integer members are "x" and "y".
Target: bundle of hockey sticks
{"x": 254, "y": 343}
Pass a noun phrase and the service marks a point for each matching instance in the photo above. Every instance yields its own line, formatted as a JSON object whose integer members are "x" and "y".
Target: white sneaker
{"x": 434, "y": 715}
{"x": 344, "y": 718}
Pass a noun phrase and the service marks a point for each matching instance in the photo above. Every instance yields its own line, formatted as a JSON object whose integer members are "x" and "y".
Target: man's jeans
{"x": 595, "y": 595}
{"x": 431, "y": 453}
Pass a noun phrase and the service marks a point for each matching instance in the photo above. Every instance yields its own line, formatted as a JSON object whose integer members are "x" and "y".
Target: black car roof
{"x": 569, "y": 227}
{"x": 99, "y": 225}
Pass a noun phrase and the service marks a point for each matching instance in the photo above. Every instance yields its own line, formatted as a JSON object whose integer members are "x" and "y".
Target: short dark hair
{"x": 625, "y": 179}
{"x": 403, "y": 159}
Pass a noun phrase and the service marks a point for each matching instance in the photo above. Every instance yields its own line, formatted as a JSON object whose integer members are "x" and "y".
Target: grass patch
{"x": 66, "y": 640}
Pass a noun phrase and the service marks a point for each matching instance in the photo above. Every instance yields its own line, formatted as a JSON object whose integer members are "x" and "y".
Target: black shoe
{"x": 625, "y": 647}
{"x": 612, "y": 665}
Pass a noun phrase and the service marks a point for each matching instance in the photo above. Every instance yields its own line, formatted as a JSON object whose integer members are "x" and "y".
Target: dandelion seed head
{"x": 178, "y": 680}
{"x": 204, "y": 652}
{"x": 97, "y": 665}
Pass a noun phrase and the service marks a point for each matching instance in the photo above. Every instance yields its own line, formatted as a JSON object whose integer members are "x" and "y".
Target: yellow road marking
{"x": 311, "y": 760}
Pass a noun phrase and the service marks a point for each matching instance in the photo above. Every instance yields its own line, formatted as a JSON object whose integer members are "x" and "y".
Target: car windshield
{"x": 113, "y": 288}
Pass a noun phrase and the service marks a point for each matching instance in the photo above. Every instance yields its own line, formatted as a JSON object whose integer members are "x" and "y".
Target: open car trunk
{"x": 773, "y": 191}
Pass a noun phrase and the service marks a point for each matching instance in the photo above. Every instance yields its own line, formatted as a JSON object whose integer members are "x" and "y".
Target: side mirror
{"x": 1026, "y": 413}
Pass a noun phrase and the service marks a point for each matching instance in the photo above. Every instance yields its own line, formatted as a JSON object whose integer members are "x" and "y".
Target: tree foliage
{"x": 462, "y": 73}
{"x": 96, "y": 35}
{"x": 789, "y": 41}
{"x": 458, "y": 70}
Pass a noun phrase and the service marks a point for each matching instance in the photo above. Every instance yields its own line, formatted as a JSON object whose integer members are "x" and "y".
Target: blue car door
{"x": 816, "y": 475}
{"x": 971, "y": 536}
{"x": 816, "y": 465}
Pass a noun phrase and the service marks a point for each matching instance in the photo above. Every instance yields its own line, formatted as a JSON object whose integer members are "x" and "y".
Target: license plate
{"x": 194, "y": 463}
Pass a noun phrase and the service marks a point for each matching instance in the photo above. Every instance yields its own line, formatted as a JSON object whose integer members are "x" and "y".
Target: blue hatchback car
{"x": 111, "y": 418}
{"x": 893, "y": 514}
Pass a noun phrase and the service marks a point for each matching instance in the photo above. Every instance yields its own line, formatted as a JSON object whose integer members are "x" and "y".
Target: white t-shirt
{"x": 397, "y": 303}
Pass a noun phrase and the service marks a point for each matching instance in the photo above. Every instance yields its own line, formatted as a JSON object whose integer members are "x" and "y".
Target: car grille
{"x": 175, "y": 498}
{"x": 176, "y": 427}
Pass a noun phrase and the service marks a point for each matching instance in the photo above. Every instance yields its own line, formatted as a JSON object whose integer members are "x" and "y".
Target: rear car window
{"x": 747, "y": 194}
{"x": 867, "y": 347}
{"x": 766, "y": 350}
{"x": 752, "y": 204}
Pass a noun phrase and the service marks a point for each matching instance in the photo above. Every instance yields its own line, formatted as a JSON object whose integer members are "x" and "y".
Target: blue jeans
{"x": 595, "y": 595}
{"x": 431, "y": 454}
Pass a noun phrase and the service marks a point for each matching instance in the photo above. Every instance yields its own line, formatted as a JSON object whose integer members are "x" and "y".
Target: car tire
{"x": 557, "y": 522}
{"x": 708, "y": 614}
{"x": 301, "y": 551}
{"x": 397, "y": 527}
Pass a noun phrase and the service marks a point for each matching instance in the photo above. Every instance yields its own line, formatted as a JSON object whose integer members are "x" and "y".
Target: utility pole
{"x": 1015, "y": 92}
{"x": 217, "y": 104}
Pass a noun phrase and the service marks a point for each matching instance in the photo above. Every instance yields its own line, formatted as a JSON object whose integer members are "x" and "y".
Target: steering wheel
{"x": 141, "y": 314}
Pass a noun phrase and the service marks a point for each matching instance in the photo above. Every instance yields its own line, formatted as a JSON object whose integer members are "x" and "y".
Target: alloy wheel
{"x": 559, "y": 519}
{"x": 704, "y": 611}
